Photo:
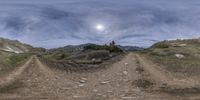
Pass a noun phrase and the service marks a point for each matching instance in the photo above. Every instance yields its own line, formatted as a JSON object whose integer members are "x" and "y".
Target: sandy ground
{"x": 36, "y": 81}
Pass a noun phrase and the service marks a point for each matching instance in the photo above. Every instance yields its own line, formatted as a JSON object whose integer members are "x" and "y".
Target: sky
{"x": 57, "y": 23}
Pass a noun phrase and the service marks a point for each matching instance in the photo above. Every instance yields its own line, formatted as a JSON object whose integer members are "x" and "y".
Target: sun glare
{"x": 100, "y": 27}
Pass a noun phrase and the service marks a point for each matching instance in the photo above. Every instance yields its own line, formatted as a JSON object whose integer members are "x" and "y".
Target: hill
{"x": 14, "y": 46}
{"x": 78, "y": 48}
{"x": 177, "y": 56}
{"x": 14, "y": 53}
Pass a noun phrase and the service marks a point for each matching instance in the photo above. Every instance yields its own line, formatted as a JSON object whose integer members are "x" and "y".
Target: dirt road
{"x": 36, "y": 81}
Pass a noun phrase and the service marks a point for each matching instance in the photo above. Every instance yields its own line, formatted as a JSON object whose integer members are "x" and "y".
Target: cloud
{"x": 15, "y": 23}
{"x": 129, "y": 22}
{"x": 54, "y": 14}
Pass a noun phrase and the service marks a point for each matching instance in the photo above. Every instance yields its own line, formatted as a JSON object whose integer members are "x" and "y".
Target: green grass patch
{"x": 143, "y": 83}
{"x": 17, "y": 58}
{"x": 9, "y": 61}
{"x": 10, "y": 87}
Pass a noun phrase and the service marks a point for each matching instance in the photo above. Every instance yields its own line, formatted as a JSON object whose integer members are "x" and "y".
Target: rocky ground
{"x": 132, "y": 78}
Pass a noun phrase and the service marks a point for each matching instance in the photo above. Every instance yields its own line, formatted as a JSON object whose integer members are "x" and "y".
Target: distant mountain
{"x": 71, "y": 48}
{"x": 76, "y": 48}
{"x": 15, "y": 46}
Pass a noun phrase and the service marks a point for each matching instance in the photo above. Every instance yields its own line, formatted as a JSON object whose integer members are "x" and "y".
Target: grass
{"x": 8, "y": 88}
{"x": 163, "y": 53}
{"x": 139, "y": 69}
{"x": 143, "y": 83}
{"x": 161, "y": 45}
{"x": 15, "y": 59}
{"x": 111, "y": 48}
{"x": 9, "y": 61}
{"x": 180, "y": 90}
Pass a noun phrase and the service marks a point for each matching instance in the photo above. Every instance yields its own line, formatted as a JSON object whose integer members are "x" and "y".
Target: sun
{"x": 99, "y": 27}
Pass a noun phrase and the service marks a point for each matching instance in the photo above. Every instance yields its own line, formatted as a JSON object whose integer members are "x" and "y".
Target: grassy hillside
{"x": 83, "y": 52}
{"x": 179, "y": 56}
{"x": 9, "y": 61}
{"x": 90, "y": 56}
{"x": 13, "y": 53}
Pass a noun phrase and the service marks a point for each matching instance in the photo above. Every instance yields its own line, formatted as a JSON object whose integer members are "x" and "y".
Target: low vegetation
{"x": 9, "y": 60}
{"x": 161, "y": 45}
{"x": 143, "y": 83}
{"x": 111, "y": 48}
{"x": 180, "y": 90}
{"x": 87, "y": 57}
{"x": 179, "y": 56}
{"x": 15, "y": 59}
{"x": 10, "y": 87}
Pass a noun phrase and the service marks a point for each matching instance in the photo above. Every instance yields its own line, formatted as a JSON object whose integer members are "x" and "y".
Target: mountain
{"x": 15, "y": 46}
{"x": 77, "y": 48}
{"x": 71, "y": 48}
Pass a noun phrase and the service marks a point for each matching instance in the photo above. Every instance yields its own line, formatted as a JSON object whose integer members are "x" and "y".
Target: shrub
{"x": 100, "y": 54}
{"x": 112, "y": 47}
{"x": 143, "y": 83}
{"x": 161, "y": 45}
{"x": 16, "y": 58}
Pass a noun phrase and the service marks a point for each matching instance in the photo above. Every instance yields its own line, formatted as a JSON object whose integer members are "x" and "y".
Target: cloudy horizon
{"x": 50, "y": 23}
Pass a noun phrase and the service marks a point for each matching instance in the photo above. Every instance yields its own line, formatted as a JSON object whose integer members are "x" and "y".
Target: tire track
{"x": 14, "y": 75}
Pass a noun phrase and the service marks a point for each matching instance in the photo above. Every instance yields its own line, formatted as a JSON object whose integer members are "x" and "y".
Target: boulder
{"x": 180, "y": 56}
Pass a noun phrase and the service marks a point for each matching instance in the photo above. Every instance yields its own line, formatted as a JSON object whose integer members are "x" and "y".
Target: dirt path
{"x": 115, "y": 82}
{"x": 14, "y": 75}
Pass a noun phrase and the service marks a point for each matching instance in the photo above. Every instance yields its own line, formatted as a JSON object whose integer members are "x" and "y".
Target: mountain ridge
{"x": 14, "y": 46}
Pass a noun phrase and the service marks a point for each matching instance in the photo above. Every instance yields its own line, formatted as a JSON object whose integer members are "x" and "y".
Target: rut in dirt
{"x": 33, "y": 80}
{"x": 14, "y": 75}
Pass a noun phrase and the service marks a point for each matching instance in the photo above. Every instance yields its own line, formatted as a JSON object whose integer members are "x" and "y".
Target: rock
{"x": 81, "y": 85}
{"x": 56, "y": 77}
{"x": 125, "y": 80}
{"x": 95, "y": 90}
{"x": 75, "y": 96}
{"x": 136, "y": 90}
{"x": 126, "y": 64}
{"x": 104, "y": 82}
{"x": 75, "y": 87}
{"x": 82, "y": 81}
{"x": 109, "y": 91}
{"x": 182, "y": 45}
{"x": 104, "y": 96}
{"x": 125, "y": 72}
{"x": 93, "y": 59}
{"x": 66, "y": 88}
{"x": 180, "y": 56}
{"x": 178, "y": 45}
{"x": 99, "y": 94}
{"x": 129, "y": 98}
